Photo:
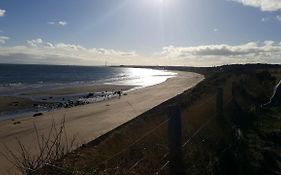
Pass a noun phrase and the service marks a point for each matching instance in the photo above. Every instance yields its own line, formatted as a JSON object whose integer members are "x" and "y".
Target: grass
{"x": 256, "y": 150}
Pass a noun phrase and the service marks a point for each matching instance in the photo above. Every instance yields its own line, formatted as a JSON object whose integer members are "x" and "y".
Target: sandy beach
{"x": 91, "y": 121}
{"x": 29, "y": 102}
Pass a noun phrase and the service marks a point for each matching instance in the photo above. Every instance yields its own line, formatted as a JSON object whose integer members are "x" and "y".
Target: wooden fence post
{"x": 233, "y": 91}
{"x": 220, "y": 102}
{"x": 175, "y": 144}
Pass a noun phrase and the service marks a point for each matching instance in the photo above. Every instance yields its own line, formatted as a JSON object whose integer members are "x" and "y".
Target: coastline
{"x": 32, "y": 99}
{"x": 41, "y": 101}
{"x": 93, "y": 120}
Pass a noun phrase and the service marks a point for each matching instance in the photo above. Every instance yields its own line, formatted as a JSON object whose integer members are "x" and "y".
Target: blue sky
{"x": 169, "y": 32}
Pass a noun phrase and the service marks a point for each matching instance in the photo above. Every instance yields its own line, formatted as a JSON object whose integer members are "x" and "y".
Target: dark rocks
{"x": 90, "y": 95}
{"x": 54, "y": 102}
{"x": 17, "y": 122}
{"x": 37, "y": 114}
{"x": 14, "y": 103}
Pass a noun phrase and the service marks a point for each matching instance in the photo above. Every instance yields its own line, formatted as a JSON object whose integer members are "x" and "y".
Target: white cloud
{"x": 278, "y": 17}
{"x": 39, "y": 51}
{"x": 34, "y": 43}
{"x": 3, "y": 39}
{"x": 264, "y": 5}
{"x": 62, "y": 23}
{"x": 206, "y": 55}
{"x": 51, "y": 23}
{"x": 215, "y": 30}
{"x": 265, "y": 19}
{"x": 2, "y": 12}
{"x": 59, "y": 23}
{"x": 268, "y": 43}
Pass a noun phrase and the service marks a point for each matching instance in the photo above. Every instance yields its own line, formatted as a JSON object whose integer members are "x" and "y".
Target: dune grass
{"x": 50, "y": 148}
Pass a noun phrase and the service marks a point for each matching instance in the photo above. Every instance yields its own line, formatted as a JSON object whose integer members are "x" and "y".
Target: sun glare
{"x": 155, "y": 2}
{"x": 160, "y": 1}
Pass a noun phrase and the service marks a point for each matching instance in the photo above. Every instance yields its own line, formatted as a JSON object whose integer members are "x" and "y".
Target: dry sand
{"x": 93, "y": 120}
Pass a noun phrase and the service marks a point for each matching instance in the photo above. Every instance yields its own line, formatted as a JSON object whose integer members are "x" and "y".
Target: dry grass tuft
{"x": 51, "y": 147}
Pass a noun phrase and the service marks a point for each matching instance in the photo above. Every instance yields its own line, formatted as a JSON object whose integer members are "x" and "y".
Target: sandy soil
{"x": 90, "y": 121}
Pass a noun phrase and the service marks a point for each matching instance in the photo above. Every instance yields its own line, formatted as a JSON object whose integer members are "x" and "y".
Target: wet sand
{"x": 23, "y": 102}
{"x": 83, "y": 89}
{"x": 90, "y": 121}
{"x": 13, "y": 103}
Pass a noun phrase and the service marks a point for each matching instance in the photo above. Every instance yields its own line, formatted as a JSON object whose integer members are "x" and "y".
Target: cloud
{"x": 265, "y": 19}
{"x": 2, "y": 12}
{"x": 264, "y": 5}
{"x": 39, "y": 51}
{"x": 51, "y": 23}
{"x": 206, "y": 55}
{"x": 59, "y": 23}
{"x": 3, "y": 39}
{"x": 62, "y": 23}
{"x": 215, "y": 30}
{"x": 34, "y": 43}
{"x": 278, "y": 17}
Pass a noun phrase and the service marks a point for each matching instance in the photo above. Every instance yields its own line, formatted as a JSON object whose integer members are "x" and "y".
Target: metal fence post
{"x": 175, "y": 144}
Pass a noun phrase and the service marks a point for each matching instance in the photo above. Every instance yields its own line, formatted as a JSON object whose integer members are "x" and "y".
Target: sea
{"x": 16, "y": 79}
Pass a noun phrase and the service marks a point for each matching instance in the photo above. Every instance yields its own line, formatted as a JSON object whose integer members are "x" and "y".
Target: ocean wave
{"x": 12, "y": 84}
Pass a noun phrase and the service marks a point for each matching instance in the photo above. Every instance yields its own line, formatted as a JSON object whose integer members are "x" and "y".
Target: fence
{"x": 175, "y": 161}
{"x": 173, "y": 158}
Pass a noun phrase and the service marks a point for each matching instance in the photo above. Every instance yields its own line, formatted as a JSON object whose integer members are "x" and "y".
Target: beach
{"x": 90, "y": 121}
{"x": 39, "y": 101}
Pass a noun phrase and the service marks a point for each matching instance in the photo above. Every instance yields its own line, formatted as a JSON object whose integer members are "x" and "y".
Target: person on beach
{"x": 119, "y": 94}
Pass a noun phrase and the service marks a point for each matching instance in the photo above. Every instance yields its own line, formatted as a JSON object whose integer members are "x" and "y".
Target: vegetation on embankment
{"x": 257, "y": 149}
{"x": 246, "y": 140}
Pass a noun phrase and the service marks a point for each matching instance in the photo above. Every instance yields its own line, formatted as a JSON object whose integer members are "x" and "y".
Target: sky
{"x": 140, "y": 32}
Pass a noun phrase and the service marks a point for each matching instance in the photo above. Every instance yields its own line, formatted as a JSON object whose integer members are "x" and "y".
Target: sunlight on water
{"x": 145, "y": 77}
{"x": 32, "y": 78}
